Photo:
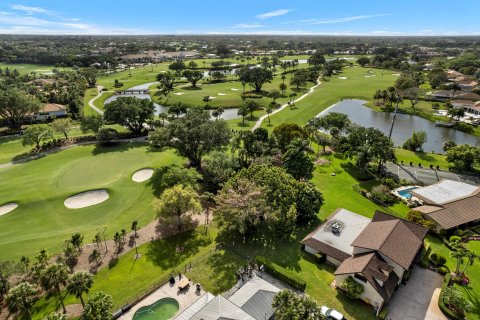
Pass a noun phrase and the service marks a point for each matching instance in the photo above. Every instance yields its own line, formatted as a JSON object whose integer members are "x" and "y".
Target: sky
{"x": 294, "y": 17}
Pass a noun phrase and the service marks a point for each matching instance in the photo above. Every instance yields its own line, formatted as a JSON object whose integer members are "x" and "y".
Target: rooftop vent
{"x": 334, "y": 227}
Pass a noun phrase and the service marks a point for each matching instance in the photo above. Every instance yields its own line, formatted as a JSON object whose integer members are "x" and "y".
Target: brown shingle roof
{"x": 397, "y": 239}
{"x": 325, "y": 249}
{"x": 458, "y": 212}
{"x": 373, "y": 268}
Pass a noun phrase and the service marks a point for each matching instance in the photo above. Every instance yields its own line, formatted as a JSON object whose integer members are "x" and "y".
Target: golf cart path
{"x": 310, "y": 91}
{"x": 90, "y": 103}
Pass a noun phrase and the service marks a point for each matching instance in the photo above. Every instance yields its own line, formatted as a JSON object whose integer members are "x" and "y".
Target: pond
{"x": 229, "y": 114}
{"x": 404, "y": 125}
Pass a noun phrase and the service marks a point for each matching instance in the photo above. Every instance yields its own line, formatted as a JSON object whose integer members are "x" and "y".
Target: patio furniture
{"x": 183, "y": 284}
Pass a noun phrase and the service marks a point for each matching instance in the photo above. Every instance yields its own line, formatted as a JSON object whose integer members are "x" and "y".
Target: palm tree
{"x": 269, "y": 112}
{"x": 163, "y": 116}
{"x": 218, "y": 112}
{"x": 135, "y": 227}
{"x": 55, "y": 276}
{"x": 25, "y": 261}
{"x": 274, "y": 94}
{"x": 98, "y": 307}
{"x": 80, "y": 283}
{"x": 283, "y": 78}
{"x": 206, "y": 99}
{"x": 458, "y": 253}
{"x": 21, "y": 298}
{"x": 243, "y": 112}
{"x": 94, "y": 257}
{"x": 471, "y": 256}
{"x": 56, "y": 316}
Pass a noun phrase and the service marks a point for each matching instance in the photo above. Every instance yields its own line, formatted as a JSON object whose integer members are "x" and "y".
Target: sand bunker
{"x": 8, "y": 207}
{"x": 211, "y": 98}
{"x": 86, "y": 199}
{"x": 142, "y": 175}
{"x": 233, "y": 89}
{"x": 221, "y": 94}
{"x": 179, "y": 93}
{"x": 395, "y": 74}
{"x": 343, "y": 78}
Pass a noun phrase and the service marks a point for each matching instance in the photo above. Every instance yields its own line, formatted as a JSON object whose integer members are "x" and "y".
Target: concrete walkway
{"x": 418, "y": 299}
{"x": 90, "y": 103}
{"x": 310, "y": 91}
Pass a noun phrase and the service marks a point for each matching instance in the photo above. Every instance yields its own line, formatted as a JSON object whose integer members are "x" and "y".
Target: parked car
{"x": 331, "y": 314}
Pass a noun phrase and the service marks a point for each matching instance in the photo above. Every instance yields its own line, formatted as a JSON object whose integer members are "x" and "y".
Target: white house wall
{"x": 369, "y": 295}
{"x": 396, "y": 268}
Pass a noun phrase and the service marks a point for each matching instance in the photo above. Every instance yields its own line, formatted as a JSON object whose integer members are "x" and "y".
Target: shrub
{"x": 107, "y": 135}
{"x": 415, "y": 216}
{"x": 390, "y": 182}
{"x": 443, "y": 270}
{"x": 382, "y": 194}
{"x": 434, "y": 258}
{"x": 281, "y": 274}
{"x": 352, "y": 288}
{"x": 383, "y": 314}
{"x": 437, "y": 260}
{"x": 455, "y": 239}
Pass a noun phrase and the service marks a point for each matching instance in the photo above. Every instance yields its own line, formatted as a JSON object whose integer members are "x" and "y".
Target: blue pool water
{"x": 405, "y": 193}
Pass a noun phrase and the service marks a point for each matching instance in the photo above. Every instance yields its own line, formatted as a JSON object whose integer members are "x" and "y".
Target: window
{"x": 360, "y": 277}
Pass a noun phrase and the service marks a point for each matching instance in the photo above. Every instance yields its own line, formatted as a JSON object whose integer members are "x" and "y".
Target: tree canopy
{"x": 196, "y": 134}
{"x": 130, "y": 112}
{"x": 256, "y": 77}
{"x": 15, "y": 106}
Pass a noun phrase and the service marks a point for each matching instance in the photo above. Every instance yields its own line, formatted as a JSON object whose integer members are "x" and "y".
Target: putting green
{"x": 41, "y": 186}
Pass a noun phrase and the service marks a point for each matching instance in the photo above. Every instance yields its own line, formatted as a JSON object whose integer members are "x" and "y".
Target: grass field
{"x": 333, "y": 90}
{"x": 131, "y": 278}
{"x": 41, "y": 186}
{"x": 11, "y": 146}
{"x": 24, "y": 68}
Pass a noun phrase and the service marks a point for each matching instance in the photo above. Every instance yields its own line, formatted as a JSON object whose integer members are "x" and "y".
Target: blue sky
{"x": 341, "y": 17}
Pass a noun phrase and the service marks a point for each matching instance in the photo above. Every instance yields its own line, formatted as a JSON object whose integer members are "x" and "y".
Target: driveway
{"x": 428, "y": 176}
{"x": 418, "y": 299}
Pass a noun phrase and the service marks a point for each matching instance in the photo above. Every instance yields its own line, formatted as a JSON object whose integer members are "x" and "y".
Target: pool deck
{"x": 185, "y": 298}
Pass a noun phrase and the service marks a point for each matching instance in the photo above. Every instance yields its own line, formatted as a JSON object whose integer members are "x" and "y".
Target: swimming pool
{"x": 163, "y": 309}
{"x": 405, "y": 193}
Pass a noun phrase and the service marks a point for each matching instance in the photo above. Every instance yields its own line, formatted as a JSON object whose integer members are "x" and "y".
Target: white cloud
{"x": 337, "y": 20}
{"x": 247, "y": 26}
{"x": 32, "y": 10}
{"x": 275, "y": 13}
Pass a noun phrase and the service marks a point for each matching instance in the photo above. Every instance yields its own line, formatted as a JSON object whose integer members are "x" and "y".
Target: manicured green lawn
{"x": 426, "y": 159}
{"x": 130, "y": 278}
{"x": 25, "y": 68}
{"x": 11, "y": 146}
{"x": 333, "y": 90}
{"x": 41, "y": 186}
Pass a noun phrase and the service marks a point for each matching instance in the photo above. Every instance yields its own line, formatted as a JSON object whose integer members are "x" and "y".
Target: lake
{"x": 404, "y": 125}
{"x": 229, "y": 114}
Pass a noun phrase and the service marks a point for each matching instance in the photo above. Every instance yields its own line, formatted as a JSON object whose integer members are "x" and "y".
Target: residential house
{"x": 443, "y": 95}
{"x": 467, "y": 105}
{"x": 50, "y": 111}
{"x": 252, "y": 301}
{"x": 376, "y": 253}
{"x": 450, "y": 204}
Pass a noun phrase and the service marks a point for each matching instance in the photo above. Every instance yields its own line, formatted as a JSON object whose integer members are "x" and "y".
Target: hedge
{"x": 447, "y": 312}
{"x": 383, "y": 314}
{"x": 281, "y": 274}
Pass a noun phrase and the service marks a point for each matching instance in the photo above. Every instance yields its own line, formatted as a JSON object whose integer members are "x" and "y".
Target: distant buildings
{"x": 50, "y": 111}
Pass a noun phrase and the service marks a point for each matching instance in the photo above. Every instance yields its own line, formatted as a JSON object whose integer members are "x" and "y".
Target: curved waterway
{"x": 404, "y": 125}
{"x": 231, "y": 113}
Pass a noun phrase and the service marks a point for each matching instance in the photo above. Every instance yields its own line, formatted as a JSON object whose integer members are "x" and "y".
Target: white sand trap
{"x": 221, "y": 94}
{"x": 6, "y": 208}
{"x": 86, "y": 199}
{"x": 142, "y": 175}
{"x": 233, "y": 89}
{"x": 179, "y": 93}
{"x": 343, "y": 78}
{"x": 395, "y": 74}
{"x": 211, "y": 97}
{"x": 367, "y": 76}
